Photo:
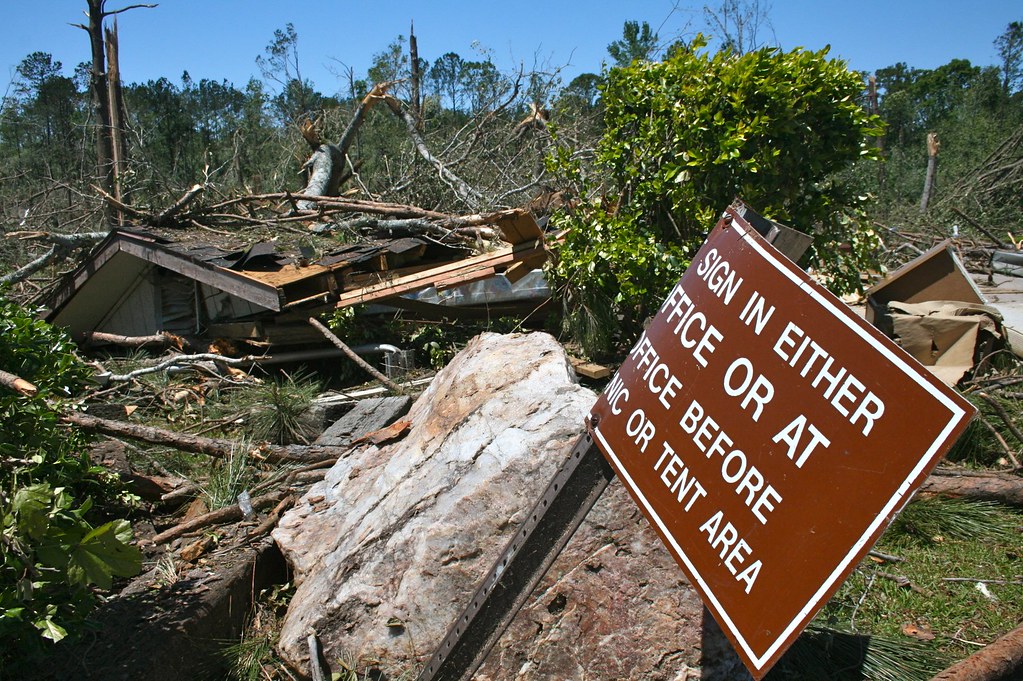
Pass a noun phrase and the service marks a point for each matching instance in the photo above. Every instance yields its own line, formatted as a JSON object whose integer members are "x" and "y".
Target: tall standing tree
{"x": 446, "y": 77}
{"x": 739, "y": 24}
{"x": 1010, "y": 51}
{"x": 296, "y": 98}
{"x": 638, "y": 43}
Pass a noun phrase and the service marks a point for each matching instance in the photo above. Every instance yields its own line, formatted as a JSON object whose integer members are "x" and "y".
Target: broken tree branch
{"x": 1001, "y": 440}
{"x": 228, "y": 514}
{"x": 355, "y": 358}
{"x": 215, "y": 447}
{"x": 179, "y": 205}
{"x": 273, "y": 517}
{"x": 31, "y": 268}
{"x": 120, "y": 205}
{"x": 17, "y": 384}
{"x": 163, "y": 339}
{"x": 182, "y": 360}
{"x": 1006, "y": 419}
{"x": 462, "y": 189}
{"x": 375, "y": 95}
{"x": 62, "y": 246}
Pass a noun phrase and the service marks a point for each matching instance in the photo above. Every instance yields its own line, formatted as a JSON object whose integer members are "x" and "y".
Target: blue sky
{"x": 220, "y": 39}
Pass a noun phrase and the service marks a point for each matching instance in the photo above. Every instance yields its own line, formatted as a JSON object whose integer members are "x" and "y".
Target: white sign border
{"x": 895, "y": 358}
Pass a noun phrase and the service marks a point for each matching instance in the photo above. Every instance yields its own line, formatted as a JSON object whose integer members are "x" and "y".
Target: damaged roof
{"x": 138, "y": 282}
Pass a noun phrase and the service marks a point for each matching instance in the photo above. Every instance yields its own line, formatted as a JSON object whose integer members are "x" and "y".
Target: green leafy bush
{"x": 53, "y": 553}
{"x": 683, "y": 138}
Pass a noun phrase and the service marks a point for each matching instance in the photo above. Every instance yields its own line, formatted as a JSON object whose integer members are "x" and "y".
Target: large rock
{"x": 389, "y": 547}
{"x": 401, "y": 533}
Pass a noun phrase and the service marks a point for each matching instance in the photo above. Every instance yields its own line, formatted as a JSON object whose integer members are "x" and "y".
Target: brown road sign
{"x": 769, "y": 435}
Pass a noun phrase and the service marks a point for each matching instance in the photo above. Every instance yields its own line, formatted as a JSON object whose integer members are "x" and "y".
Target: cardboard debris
{"x": 936, "y": 275}
{"x": 945, "y": 336}
{"x": 934, "y": 310}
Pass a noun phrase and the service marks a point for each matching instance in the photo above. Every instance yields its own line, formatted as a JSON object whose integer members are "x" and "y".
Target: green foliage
{"x": 282, "y": 409}
{"x": 227, "y": 479}
{"x": 53, "y": 551}
{"x": 638, "y": 43}
{"x": 686, "y": 136}
{"x": 1010, "y": 51}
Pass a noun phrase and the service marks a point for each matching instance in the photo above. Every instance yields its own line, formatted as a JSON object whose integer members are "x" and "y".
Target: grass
{"x": 253, "y": 658}
{"x": 227, "y": 479}
{"x": 281, "y": 409}
{"x": 939, "y": 539}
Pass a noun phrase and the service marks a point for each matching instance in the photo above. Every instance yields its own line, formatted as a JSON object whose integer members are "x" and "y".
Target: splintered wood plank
{"x": 589, "y": 369}
{"x": 518, "y": 226}
{"x": 462, "y": 271}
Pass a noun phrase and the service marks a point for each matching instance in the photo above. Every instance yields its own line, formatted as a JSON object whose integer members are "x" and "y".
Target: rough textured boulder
{"x": 388, "y": 548}
{"x": 613, "y": 606}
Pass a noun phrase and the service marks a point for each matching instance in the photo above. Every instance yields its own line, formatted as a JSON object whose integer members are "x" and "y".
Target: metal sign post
{"x": 547, "y": 528}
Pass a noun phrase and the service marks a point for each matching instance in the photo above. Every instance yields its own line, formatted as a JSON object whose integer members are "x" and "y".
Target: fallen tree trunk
{"x": 215, "y": 447}
{"x": 1000, "y": 661}
{"x": 980, "y": 486}
{"x": 162, "y": 339}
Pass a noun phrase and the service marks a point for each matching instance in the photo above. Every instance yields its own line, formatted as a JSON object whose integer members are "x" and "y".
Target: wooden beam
{"x": 245, "y": 287}
{"x": 450, "y": 274}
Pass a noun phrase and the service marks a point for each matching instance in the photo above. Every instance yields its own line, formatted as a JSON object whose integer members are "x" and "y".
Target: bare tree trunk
{"x": 104, "y": 98}
{"x": 325, "y": 170}
{"x": 933, "y": 145}
{"x": 98, "y": 85}
{"x": 1004, "y": 488}
{"x": 115, "y": 104}
{"x": 417, "y": 105}
{"x": 326, "y": 165}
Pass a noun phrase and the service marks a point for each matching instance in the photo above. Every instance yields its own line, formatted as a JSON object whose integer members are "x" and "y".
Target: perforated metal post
{"x": 534, "y": 547}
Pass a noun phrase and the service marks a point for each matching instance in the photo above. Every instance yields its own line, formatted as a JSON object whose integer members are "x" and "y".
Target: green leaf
{"x": 50, "y": 629}
{"x": 32, "y": 505}
{"x": 102, "y": 554}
